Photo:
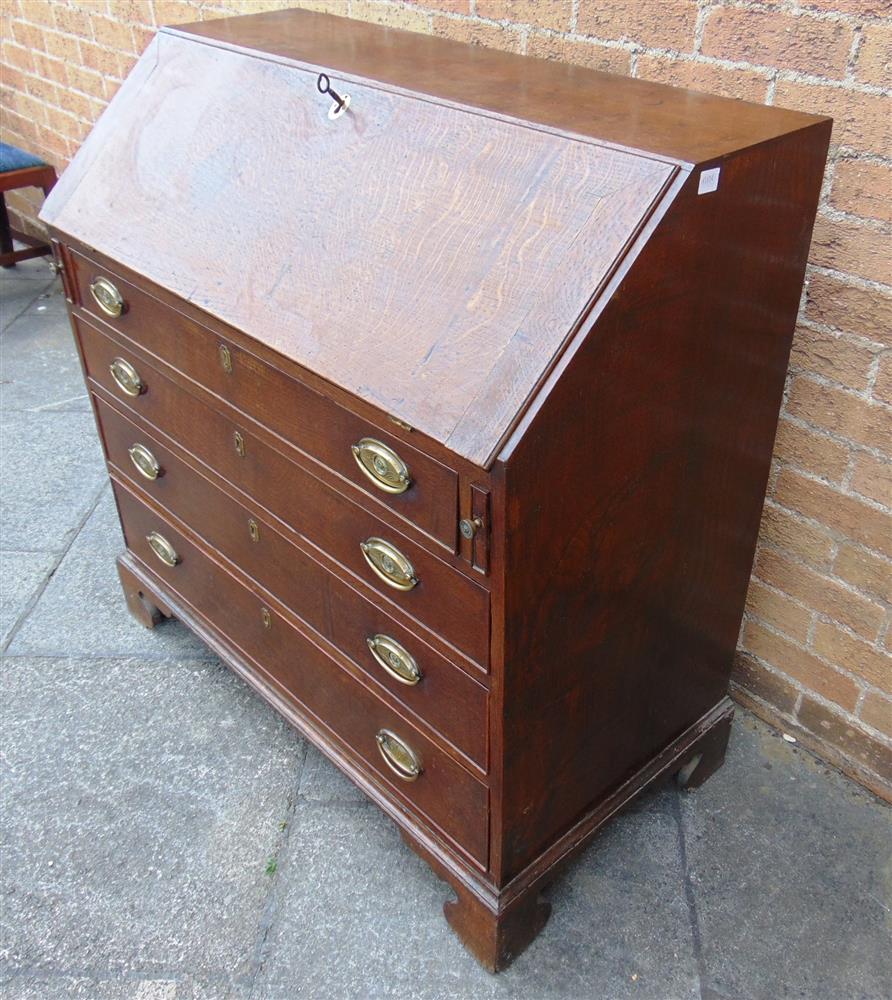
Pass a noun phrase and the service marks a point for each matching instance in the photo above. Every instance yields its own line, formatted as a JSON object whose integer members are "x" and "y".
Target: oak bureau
{"x": 438, "y": 388}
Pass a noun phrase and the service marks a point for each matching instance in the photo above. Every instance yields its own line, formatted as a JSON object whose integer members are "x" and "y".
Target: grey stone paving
{"x": 166, "y": 837}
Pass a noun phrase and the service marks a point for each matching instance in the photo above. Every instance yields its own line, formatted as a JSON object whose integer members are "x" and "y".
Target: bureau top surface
{"x": 430, "y": 258}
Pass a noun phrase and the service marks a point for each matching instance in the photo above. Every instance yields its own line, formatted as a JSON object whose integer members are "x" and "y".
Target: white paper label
{"x": 709, "y": 180}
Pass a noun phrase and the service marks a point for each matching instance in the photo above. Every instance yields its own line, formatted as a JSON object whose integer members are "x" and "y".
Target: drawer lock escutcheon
{"x": 398, "y": 755}
{"x": 225, "y": 359}
{"x": 145, "y": 462}
{"x": 388, "y": 563}
{"x": 107, "y": 297}
{"x": 381, "y": 465}
{"x": 126, "y": 377}
{"x": 162, "y": 548}
{"x": 394, "y": 660}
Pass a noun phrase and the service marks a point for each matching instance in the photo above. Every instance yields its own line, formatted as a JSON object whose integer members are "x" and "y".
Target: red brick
{"x": 778, "y": 39}
{"x": 846, "y": 245}
{"x": 818, "y": 591}
{"x": 100, "y": 60}
{"x": 407, "y": 18}
{"x": 850, "y": 517}
{"x": 708, "y": 77}
{"x": 42, "y": 89}
{"x": 29, "y": 36}
{"x": 50, "y": 68}
{"x": 860, "y": 120}
{"x": 857, "y": 744}
{"x": 38, "y": 13}
{"x": 605, "y": 58}
{"x": 175, "y": 12}
{"x": 62, "y": 47}
{"x": 72, "y": 21}
{"x": 866, "y": 312}
{"x": 763, "y": 683}
{"x": 667, "y": 25}
{"x": 812, "y": 452}
{"x": 876, "y": 711}
{"x": 85, "y": 80}
{"x": 862, "y": 569}
{"x": 555, "y": 14}
{"x": 868, "y": 662}
{"x": 850, "y": 416}
{"x": 113, "y": 34}
{"x": 808, "y": 670}
{"x": 863, "y": 188}
{"x": 492, "y": 36}
{"x": 872, "y": 478}
{"x": 832, "y": 355}
{"x": 778, "y": 611}
{"x": 791, "y": 533}
{"x": 874, "y": 62}
{"x": 15, "y": 55}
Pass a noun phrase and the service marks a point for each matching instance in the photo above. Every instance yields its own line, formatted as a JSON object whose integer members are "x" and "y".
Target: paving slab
{"x": 358, "y": 915}
{"x": 790, "y": 866}
{"x": 321, "y": 781}
{"x": 49, "y": 987}
{"x": 21, "y": 575}
{"x": 142, "y": 802}
{"x": 82, "y": 611}
{"x": 53, "y": 471}
{"x": 39, "y": 366}
{"x": 17, "y": 293}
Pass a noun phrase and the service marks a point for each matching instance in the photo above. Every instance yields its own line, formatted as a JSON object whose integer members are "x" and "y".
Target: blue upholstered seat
{"x": 13, "y": 158}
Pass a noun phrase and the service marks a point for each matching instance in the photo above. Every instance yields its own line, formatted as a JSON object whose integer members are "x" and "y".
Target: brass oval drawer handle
{"x": 381, "y": 465}
{"x": 126, "y": 376}
{"x": 107, "y": 297}
{"x": 398, "y": 755}
{"x": 389, "y": 563}
{"x": 162, "y": 548}
{"x": 145, "y": 462}
{"x": 394, "y": 659}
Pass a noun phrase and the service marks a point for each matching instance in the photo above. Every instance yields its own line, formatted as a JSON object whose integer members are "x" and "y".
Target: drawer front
{"x": 444, "y": 792}
{"x": 444, "y": 697}
{"x": 320, "y": 428}
{"x": 445, "y": 600}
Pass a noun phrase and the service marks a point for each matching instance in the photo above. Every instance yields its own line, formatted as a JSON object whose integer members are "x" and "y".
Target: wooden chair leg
{"x": 6, "y": 246}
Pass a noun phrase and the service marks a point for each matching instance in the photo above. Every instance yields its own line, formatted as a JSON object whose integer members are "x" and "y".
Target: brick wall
{"x": 814, "y": 650}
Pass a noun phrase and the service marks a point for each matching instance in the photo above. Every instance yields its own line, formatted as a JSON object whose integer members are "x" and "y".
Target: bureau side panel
{"x": 634, "y": 494}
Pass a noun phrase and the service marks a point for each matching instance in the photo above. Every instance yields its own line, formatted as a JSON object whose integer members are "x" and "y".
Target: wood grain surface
{"x": 427, "y": 259}
{"x": 683, "y": 125}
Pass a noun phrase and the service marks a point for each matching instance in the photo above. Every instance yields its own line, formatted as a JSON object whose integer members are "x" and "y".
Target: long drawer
{"x": 316, "y": 425}
{"x": 392, "y": 656}
{"x": 444, "y": 793}
{"x": 445, "y": 600}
